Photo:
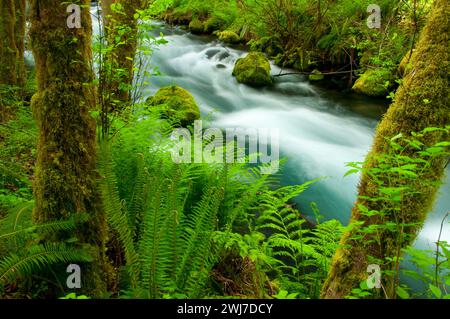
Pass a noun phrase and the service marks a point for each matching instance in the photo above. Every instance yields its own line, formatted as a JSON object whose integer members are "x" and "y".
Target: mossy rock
{"x": 405, "y": 65}
{"x": 253, "y": 70}
{"x": 296, "y": 58}
{"x": 316, "y": 75}
{"x": 229, "y": 37}
{"x": 267, "y": 45}
{"x": 177, "y": 104}
{"x": 178, "y": 16}
{"x": 196, "y": 26}
{"x": 374, "y": 82}
{"x": 214, "y": 23}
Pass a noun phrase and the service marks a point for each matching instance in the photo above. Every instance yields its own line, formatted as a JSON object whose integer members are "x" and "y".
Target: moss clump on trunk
{"x": 65, "y": 177}
{"x": 428, "y": 80}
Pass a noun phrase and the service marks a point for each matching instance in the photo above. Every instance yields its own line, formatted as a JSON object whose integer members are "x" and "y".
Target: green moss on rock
{"x": 214, "y": 23}
{"x": 316, "y": 75}
{"x": 176, "y": 104}
{"x": 229, "y": 37}
{"x": 374, "y": 82}
{"x": 196, "y": 26}
{"x": 254, "y": 70}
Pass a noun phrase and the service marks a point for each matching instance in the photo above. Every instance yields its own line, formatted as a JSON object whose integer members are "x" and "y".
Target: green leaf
{"x": 436, "y": 291}
{"x": 351, "y": 172}
{"x": 402, "y": 293}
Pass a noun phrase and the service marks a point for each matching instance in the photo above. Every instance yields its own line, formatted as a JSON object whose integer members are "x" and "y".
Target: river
{"x": 320, "y": 129}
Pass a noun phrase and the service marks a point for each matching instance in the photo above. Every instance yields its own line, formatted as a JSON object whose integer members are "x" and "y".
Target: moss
{"x": 428, "y": 80}
{"x": 254, "y": 69}
{"x": 296, "y": 58}
{"x": 176, "y": 104}
{"x": 65, "y": 175}
{"x": 196, "y": 26}
{"x": 8, "y": 48}
{"x": 316, "y": 75}
{"x": 373, "y": 82}
{"x": 180, "y": 16}
{"x": 229, "y": 37}
{"x": 267, "y": 45}
{"x": 214, "y": 23}
{"x": 405, "y": 65}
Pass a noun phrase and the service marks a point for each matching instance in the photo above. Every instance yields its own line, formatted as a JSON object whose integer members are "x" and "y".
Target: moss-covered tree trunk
{"x": 122, "y": 31}
{"x": 8, "y": 48}
{"x": 65, "y": 177}
{"x": 12, "y": 35}
{"x": 421, "y": 101}
{"x": 19, "y": 34}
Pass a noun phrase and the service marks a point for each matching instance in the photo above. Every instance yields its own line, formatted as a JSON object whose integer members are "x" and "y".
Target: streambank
{"x": 320, "y": 129}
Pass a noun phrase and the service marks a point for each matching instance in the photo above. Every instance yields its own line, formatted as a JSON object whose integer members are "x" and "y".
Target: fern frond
{"x": 37, "y": 258}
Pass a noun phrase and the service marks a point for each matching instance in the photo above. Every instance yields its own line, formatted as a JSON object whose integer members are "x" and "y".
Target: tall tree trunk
{"x": 8, "y": 48}
{"x": 428, "y": 80}
{"x": 121, "y": 30}
{"x": 65, "y": 177}
{"x": 19, "y": 34}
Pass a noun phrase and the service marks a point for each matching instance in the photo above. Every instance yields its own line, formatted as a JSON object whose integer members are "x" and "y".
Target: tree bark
{"x": 428, "y": 80}
{"x": 121, "y": 32}
{"x": 65, "y": 177}
{"x": 8, "y": 48}
{"x": 19, "y": 34}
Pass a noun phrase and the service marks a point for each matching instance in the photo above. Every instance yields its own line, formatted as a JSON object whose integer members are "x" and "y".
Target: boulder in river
{"x": 196, "y": 26}
{"x": 316, "y": 75}
{"x": 374, "y": 82}
{"x": 229, "y": 37}
{"x": 253, "y": 70}
{"x": 175, "y": 103}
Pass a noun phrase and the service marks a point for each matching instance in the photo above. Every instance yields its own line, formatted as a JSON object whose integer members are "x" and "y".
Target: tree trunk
{"x": 428, "y": 80}
{"x": 65, "y": 177}
{"x": 19, "y": 34}
{"x": 121, "y": 30}
{"x": 8, "y": 48}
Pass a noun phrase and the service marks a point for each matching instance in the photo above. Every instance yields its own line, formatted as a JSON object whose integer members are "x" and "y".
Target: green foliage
{"x": 163, "y": 233}
{"x": 312, "y": 34}
{"x": 374, "y": 83}
{"x": 303, "y": 254}
{"x": 17, "y": 155}
{"x": 22, "y": 256}
{"x": 280, "y": 243}
{"x": 432, "y": 269}
{"x": 74, "y": 296}
{"x": 399, "y": 177}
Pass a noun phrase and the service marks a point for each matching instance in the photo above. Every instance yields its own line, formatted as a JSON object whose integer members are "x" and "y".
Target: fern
{"x": 21, "y": 257}
{"x": 37, "y": 257}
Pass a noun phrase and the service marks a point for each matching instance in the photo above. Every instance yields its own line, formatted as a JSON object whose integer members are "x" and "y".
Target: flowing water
{"x": 320, "y": 130}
